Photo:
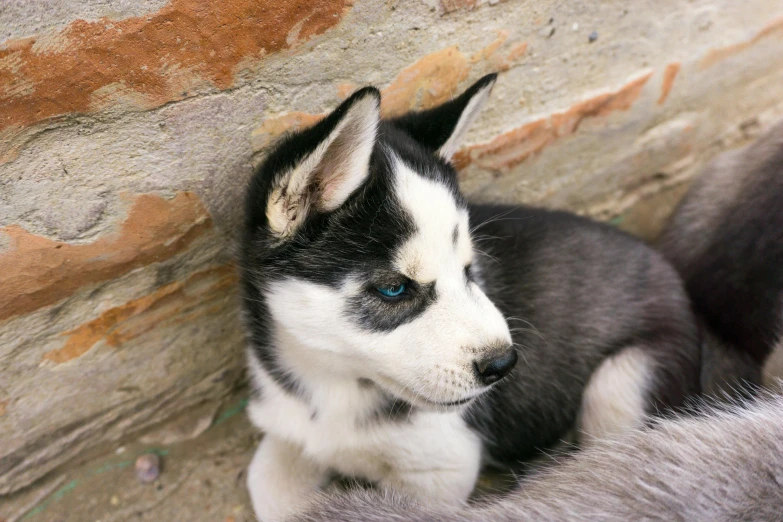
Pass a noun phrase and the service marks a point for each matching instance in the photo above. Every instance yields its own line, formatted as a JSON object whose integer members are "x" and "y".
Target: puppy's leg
{"x": 617, "y": 396}
{"x": 440, "y": 466}
{"x": 281, "y": 480}
{"x": 444, "y": 486}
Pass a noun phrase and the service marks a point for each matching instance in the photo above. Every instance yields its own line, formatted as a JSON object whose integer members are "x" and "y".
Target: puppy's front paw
{"x": 281, "y": 481}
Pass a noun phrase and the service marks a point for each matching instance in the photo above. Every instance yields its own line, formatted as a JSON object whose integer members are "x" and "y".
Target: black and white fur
{"x": 726, "y": 239}
{"x": 400, "y": 392}
{"x": 726, "y": 465}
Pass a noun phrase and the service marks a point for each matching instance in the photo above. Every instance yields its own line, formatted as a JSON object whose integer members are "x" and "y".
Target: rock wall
{"x": 128, "y": 131}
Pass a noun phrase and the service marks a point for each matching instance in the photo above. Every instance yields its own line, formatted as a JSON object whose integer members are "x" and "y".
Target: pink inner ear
{"x": 328, "y": 189}
{"x": 332, "y": 173}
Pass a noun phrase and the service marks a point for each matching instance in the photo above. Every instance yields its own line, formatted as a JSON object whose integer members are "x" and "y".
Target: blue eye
{"x": 391, "y": 291}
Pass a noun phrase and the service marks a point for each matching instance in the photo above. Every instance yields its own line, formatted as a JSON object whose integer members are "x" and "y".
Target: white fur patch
{"x": 281, "y": 480}
{"x": 433, "y": 456}
{"x": 616, "y": 396}
{"x": 429, "y": 255}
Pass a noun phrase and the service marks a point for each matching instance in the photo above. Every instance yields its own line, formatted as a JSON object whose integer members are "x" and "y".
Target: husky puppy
{"x": 386, "y": 315}
{"x": 726, "y": 240}
{"x": 725, "y": 465}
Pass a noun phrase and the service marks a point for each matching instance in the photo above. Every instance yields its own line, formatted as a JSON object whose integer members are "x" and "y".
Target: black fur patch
{"x": 376, "y": 314}
{"x": 737, "y": 284}
{"x": 432, "y": 128}
{"x": 394, "y": 410}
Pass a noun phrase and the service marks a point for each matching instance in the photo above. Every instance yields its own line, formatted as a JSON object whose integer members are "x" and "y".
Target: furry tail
{"x": 726, "y": 241}
{"x": 726, "y": 464}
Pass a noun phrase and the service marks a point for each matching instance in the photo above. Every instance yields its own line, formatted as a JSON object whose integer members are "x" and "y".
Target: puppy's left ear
{"x": 336, "y": 162}
{"x": 443, "y": 128}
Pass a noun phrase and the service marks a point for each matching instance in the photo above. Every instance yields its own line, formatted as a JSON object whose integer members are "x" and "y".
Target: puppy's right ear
{"x": 336, "y": 165}
{"x": 442, "y": 128}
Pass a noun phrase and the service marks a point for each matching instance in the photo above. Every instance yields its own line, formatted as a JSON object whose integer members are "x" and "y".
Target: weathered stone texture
{"x": 38, "y": 271}
{"x": 129, "y": 129}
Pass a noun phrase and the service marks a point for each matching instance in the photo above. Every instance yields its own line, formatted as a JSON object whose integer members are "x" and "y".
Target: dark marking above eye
{"x": 379, "y": 314}
{"x": 455, "y": 235}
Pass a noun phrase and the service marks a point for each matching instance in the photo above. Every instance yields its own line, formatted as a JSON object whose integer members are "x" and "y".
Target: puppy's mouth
{"x": 453, "y": 403}
{"x": 417, "y": 399}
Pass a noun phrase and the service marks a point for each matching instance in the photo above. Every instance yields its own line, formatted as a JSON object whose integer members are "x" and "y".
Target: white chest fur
{"x": 340, "y": 428}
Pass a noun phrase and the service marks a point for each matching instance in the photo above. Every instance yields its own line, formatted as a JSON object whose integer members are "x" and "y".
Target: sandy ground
{"x": 202, "y": 480}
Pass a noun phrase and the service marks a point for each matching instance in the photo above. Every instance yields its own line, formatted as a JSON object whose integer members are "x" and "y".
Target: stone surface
{"x": 201, "y": 480}
{"x": 129, "y": 131}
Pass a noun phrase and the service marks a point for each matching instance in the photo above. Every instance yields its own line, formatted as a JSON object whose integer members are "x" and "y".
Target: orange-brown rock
{"x": 774, "y": 28}
{"x": 428, "y": 82}
{"x": 276, "y": 126}
{"x": 38, "y": 271}
{"x": 449, "y": 6}
{"x": 517, "y": 51}
{"x": 490, "y": 49}
{"x": 153, "y": 59}
{"x": 433, "y": 79}
{"x": 515, "y": 146}
{"x": 669, "y": 74}
{"x": 176, "y": 303}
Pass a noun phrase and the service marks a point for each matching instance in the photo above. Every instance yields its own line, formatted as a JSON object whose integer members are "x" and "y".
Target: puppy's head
{"x": 358, "y": 243}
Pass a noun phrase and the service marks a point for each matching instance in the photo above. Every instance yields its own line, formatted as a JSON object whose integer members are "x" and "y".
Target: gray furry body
{"x": 575, "y": 293}
{"x": 726, "y": 239}
{"x": 726, "y": 465}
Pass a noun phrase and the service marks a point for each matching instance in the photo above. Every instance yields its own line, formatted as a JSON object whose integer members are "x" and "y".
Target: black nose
{"x": 494, "y": 368}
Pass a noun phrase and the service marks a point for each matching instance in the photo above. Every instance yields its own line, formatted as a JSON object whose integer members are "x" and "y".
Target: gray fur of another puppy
{"x": 726, "y": 464}
{"x": 726, "y": 240}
